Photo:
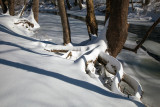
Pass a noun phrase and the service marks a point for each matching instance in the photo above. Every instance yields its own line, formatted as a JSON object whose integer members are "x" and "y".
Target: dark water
{"x": 141, "y": 30}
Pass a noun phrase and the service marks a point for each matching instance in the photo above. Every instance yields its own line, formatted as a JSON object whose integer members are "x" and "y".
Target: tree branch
{"x": 144, "y": 38}
{"x": 25, "y": 5}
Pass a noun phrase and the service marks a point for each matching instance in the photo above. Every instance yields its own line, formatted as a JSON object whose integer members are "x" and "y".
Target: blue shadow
{"x": 6, "y": 30}
{"x": 25, "y": 49}
{"x": 72, "y": 81}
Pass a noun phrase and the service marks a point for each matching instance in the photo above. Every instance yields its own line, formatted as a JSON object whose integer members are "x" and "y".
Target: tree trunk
{"x": 3, "y": 6}
{"x": 35, "y": 8}
{"x": 147, "y": 2}
{"x": 82, "y": 1}
{"x": 76, "y": 3}
{"x": 54, "y": 2}
{"x": 132, "y": 5}
{"x": 25, "y": 5}
{"x": 142, "y": 3}
{"x": 65, "y": 22}
{"x": 90, "y": 19}
{"x": 80, "y": 4}
{"x": 11, "y": 7}
{"x": 108, "y": 9}
{"x": 118, "y": 28}
{"x": 68, "y": 4}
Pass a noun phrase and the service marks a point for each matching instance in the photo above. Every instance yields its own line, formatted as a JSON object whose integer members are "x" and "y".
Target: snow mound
{"x": 22, "y": 26}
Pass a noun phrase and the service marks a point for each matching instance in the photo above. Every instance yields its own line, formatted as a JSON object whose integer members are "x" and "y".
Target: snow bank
{"x": 22, "y": 26}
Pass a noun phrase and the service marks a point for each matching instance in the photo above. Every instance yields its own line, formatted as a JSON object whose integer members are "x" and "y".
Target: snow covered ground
{"x": 31, "y": 76}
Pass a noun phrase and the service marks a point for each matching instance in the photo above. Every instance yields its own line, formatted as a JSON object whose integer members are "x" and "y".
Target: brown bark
{"x": 80, "y": 4}
{"x": 65, "y": 22}
{"x": 68, "y": 4}
{"x": 145, "y": 37}
{"x": 132, "y": 5}
{"x": 147, "y": 2}
{"x": 25, "y": 22}
{"x": 25, "y": 5}
{"x": 91, "y": 19}
{"x": 118, "y": 28}
{"x": 54, "y": 2}
{"x": 108, "y": 9}
{"x": 35, "y": 8}
{"x": 3, "y": 6}
{"x": 11, "y": 7}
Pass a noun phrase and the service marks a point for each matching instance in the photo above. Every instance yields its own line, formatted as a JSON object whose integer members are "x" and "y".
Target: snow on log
{"x": 120, "y": 74}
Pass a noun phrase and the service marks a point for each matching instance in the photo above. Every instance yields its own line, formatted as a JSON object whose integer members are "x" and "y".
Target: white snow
{"x": 144, "y": 68}
{"x": 20, "y": 28}
{"x": 97, "y": 47}
{"x": 31, "y": 76}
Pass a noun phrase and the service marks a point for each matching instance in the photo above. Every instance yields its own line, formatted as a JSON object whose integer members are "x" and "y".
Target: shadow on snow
{"x": 6, "y": 30}
{"x": 23, "y": 48}
{"x": 61, "y": 77}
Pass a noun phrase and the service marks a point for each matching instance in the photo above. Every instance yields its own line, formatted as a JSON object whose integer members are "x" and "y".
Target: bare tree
{"x": 146, "y": 2}
{"x": 11, "y": 7}
{"x": 108, "y": 9}
{"x": 91, "y": 19}
{"x": 23, "y": 9}
{"x": 35, "y": 8}
{"x": 3, "y": 5}
{"x": 75, "y": 2}
{"x": 132, "y": 5}
{"x": 54, "y": 2}
{"x": 65, "y": 22}
{"x": 80, "y": 4}
{"x": 118, "y": 28}
{"x": 68, "y": 4}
